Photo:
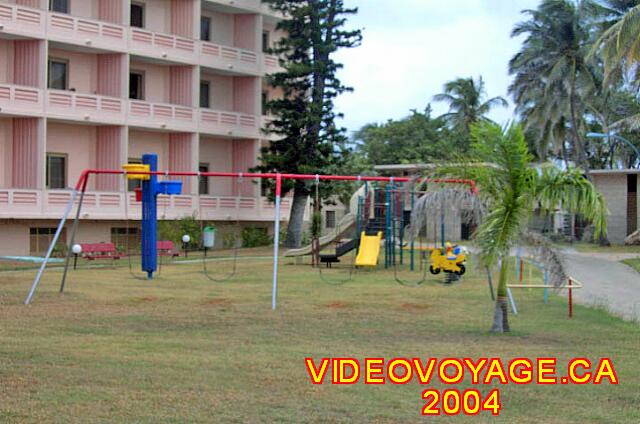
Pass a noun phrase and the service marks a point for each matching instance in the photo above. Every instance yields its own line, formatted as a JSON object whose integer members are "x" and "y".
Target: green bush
{"x": 174, "y": 230}
{"x": 255, "y": 237}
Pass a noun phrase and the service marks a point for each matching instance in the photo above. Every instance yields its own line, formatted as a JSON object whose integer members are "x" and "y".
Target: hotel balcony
{"x": 22, "y": 21}
{"x": 51, "y": 204}
{"x": 21, "y": 100}
{"x": 86, "y": 32}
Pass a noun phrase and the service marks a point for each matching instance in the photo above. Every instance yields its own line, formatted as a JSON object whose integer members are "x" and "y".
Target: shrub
{"x": 255, "y": 237}
{"x": 174, "y": 230}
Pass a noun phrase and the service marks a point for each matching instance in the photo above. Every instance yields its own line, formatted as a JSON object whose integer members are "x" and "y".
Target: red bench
{"x": 92, "y": 251}
{"x": 167, "y": 248}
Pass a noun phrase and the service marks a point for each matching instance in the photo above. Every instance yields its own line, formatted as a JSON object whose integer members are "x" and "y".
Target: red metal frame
{"x": 82, "y": 183}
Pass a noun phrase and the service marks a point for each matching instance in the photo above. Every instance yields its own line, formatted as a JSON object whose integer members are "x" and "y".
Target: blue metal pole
{"x": 150, "y": 218}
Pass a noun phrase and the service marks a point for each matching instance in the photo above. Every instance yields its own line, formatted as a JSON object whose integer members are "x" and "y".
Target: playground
{"x": 223, "y": 337}
{"x": 182, "y": 348}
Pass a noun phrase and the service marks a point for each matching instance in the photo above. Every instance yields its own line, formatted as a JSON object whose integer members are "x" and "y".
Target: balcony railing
{"x": 228, "y": 58}
{"x": 87, "y": 107}
{"x": 20, "y": 100}
{"x": 175, "y": 117}
{"x": 230, "y": 123}
{"x": 87, "y": 32}
{"x": 51, "y": 204}
{"x": 164, "y": 46}
{"x": 22, "y": 20}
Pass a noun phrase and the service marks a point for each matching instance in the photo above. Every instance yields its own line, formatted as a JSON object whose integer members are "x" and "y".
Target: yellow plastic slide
{"x": 369, "y": 250}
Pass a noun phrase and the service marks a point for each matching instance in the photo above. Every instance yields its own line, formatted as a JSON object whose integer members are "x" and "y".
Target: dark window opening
{"x": 125, "y": 239}
{"x": 265, "y": 42}
{"x": 203, "y": 183}
{"x": 632, "y": 203}
{"x": 330, "y": 219}
{"x": 56, "y": 171}
{"x": 205, "y": 28}
{"x": 205, "y": 94}
{"x": 60, "y": 6}
{"x": 134, "y": 184}
{"x": 136, "y": 86}
{"x": 41, "y": 238}
{"x": 58, "y": 75}
{"x": 137, "y": 15}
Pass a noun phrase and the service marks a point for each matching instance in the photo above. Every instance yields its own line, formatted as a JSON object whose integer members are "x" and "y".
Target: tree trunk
{"x": 501, "y": 314}
{"x": 296, "y": 219}
{"x": 578, "y": 145}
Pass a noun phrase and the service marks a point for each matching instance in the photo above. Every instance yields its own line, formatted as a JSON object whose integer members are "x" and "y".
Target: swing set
{"x": 147, "y": 172}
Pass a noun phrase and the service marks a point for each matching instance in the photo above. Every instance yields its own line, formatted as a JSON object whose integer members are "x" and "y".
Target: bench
{"x": 92, "y": 251}
{"x": 167, "y": 248}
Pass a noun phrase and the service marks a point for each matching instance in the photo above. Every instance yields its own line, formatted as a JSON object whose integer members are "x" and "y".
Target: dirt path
{"x": 608, "y": 283}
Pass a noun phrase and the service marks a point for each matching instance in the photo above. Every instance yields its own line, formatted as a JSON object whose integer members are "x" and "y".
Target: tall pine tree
{"x": 309, "y": 142}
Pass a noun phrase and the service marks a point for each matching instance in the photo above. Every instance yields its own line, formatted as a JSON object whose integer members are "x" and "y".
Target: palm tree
{"x": 467, "y": 104}
{"x": 513, "y": 189}
{"x": 618, "y": 50}
{"x": 552, "y": 78}
{"x": 618, "y": 24}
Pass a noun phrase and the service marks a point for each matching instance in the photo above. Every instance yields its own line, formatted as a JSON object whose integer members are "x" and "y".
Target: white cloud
{"x": 412, "y": 47}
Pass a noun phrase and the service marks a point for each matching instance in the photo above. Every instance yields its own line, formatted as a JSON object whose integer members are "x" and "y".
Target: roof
{"x": 614, "y": 171}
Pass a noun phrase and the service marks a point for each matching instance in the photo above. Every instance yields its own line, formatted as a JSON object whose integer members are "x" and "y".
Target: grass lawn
{"x": 594, "y": 248}
{"x": 181, "y": 349}
{"x": 633, "y": 263}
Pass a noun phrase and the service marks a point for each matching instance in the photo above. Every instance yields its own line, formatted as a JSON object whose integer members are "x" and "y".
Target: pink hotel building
{"x": 98, "y": 83}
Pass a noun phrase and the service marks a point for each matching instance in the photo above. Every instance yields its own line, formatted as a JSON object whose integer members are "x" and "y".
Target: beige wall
{"x": 84, "y": 8}
{"x": 141, "y": 142}
{"x": 78, "y": 142}
{"x": 614, "y": 189}
{"x": 83, "y": 69}
{"x": 221, "y": 91}
{"x": 6, "y": 152}
{"x": 15, "y": 239}
{"x": 156, "y": 81}
{"x": 6, "y": 61}
{"x": 218, "y": 153}
{"x": 157, "y": 15}
{"x": 221, "y": 27}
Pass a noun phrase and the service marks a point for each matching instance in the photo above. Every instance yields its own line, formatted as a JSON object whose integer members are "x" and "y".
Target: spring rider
{"x": 451, "y": 259}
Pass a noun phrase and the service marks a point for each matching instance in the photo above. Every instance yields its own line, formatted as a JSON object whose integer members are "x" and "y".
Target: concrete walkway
{"x": 608, "y": 283}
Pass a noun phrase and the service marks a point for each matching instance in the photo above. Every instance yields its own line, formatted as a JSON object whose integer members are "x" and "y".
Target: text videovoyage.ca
{"x": 493, "y": 372}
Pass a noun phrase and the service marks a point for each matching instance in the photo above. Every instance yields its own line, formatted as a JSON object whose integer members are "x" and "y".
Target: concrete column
{"x": 195, "y": 163}
{"x": 41, "y": 161}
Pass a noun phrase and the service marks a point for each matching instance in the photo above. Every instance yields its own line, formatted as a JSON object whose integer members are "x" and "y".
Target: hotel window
{"x": 205, "y": 28}
{"x": 204, "y": 181}
{"x": 56, "y": 171}
{"x": 126, "y": 239}
{"x": 137, "y": 15}
{"x": 205, "y": 94}
{"x": 58, "y": 74}
{"x": 60, "y": 6}
{"x": 134, "y": 184}
{"x": 40, "y": 238}
{"x": 136, "y": 85}
{"x": 330, "y": 219}
{"x": 265, "y": 42}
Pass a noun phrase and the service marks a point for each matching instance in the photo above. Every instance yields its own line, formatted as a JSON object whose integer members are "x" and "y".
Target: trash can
{"x": 209, "y": 237}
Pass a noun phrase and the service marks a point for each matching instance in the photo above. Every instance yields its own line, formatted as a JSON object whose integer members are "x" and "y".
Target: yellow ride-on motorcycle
{"x": 451, "y": 259}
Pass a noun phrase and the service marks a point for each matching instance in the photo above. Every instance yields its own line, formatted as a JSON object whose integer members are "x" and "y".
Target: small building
{"x": 620, "y": 189}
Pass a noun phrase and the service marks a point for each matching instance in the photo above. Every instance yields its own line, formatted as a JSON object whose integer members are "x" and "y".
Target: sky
{"x": 411, "y": 48}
